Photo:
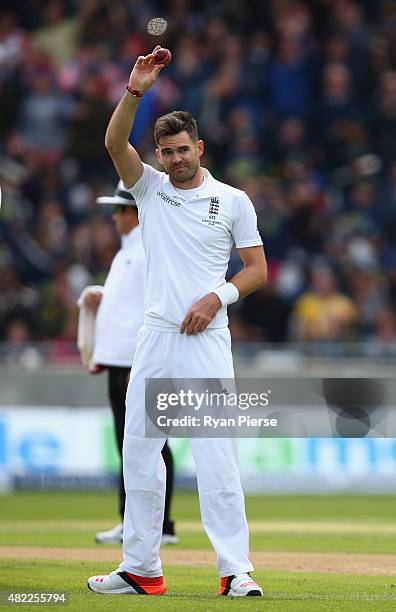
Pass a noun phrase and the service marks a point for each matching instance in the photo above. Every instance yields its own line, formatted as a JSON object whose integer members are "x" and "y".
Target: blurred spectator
{"x": 57, "y": 35}
{"x": 17, "y": 301}
{"x": 323, "y": 313}
{"x": 290, "y": 72}
{"x": 349, "y": 18}
{"x": 338, "y": 99}
{"x": 383, "y": 340}
{"x": 385, "y": 117}
{"x": 58, "y": 306}
{"x": 368, "y": 291}
{"x": 43, "y": 118}
{"x": 63, "y": 347}
{"x": 19, "y": 349}
{"x": 88, "y": 124}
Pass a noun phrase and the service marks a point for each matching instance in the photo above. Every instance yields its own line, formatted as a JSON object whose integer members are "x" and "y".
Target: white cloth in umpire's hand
{"x": 86, "y": 326}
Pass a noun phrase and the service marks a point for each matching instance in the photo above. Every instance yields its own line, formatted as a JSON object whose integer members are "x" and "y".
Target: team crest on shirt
{"x": 214, "y": 205}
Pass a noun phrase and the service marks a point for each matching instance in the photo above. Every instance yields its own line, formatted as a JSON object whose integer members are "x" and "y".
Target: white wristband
{"x": 227, "y": 294}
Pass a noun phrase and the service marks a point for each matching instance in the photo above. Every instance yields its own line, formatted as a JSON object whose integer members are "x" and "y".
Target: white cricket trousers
{"x": 173, "y": 355}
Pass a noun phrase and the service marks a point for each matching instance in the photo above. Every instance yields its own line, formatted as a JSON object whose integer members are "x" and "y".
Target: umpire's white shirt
{"x": 120, "y": 314}
{"x": 187, "y": 236}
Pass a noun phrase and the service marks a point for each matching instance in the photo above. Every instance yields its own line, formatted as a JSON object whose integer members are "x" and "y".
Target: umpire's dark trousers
{"x": 118, "y": 383}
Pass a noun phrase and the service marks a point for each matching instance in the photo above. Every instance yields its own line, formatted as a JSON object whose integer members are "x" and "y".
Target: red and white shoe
{"x": 241, "y": 585}
{"x": 124, "y": 583}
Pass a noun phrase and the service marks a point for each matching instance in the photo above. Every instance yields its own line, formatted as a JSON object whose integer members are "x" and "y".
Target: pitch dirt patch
{"x": 337, "y": 563}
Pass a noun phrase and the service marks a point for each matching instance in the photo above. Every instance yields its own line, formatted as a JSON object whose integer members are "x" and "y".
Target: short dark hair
{"x": 174, "y": 123}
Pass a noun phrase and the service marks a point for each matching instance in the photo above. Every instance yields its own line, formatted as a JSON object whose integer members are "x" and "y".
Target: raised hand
{"x": 144, "y": 72}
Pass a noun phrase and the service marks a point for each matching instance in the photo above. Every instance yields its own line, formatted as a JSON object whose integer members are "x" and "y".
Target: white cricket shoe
{"x": 168, "y": 539}
{"x": 241, "y": 585}
{"x": 125, "y": 583}
{"x": 113, "y": 536}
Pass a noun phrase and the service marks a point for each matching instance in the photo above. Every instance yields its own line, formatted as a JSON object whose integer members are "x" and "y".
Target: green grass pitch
{"x": 358, "y": 525}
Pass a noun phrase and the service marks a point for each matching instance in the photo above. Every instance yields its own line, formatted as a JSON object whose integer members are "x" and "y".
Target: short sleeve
{"x": 244, "y": 226}
{"x": 142, "y": 188}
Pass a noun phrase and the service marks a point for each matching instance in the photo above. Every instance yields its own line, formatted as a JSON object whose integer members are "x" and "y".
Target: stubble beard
{"x": 185, "y": 176}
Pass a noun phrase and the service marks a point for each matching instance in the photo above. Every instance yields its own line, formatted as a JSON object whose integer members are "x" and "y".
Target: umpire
{"x": 119, "y": 309}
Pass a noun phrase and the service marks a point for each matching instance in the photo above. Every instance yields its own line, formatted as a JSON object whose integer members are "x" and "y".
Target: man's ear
{"x": 200, "y": 147}
{"x": 131, "y": 211}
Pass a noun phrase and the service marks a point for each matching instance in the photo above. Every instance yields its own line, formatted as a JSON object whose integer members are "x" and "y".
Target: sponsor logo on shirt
{"x": 167, "y": 199}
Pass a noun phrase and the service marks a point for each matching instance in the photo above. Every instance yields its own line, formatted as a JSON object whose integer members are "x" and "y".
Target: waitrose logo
{"x": 167, "y": 199}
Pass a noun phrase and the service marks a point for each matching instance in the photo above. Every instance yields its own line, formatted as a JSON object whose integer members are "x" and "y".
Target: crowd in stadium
{"x": 296, "y": 103}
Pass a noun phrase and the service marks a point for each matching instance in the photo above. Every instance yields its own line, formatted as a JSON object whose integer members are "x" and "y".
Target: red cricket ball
{"x": 162, "y": 56}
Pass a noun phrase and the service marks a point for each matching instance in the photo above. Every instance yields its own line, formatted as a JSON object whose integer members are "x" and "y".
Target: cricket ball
{"x": 162, "y": 56}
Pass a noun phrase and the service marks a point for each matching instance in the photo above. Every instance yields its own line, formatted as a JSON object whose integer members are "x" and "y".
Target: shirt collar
{"x": 209, "y": 188}
{"x": 129, "y": 239}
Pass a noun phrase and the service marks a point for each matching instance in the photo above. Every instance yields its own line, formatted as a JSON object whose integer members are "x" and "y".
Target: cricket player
{"x": 119, "y": 311}
{"x": 189, "y": 223}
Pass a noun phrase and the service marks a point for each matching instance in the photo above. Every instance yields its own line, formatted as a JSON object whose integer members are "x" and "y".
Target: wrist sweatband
{"x": 227, "y": 294}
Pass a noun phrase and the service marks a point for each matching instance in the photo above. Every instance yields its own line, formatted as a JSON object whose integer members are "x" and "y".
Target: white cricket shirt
{"x": 121, "y": 311}
{"x": 187, "y": 236}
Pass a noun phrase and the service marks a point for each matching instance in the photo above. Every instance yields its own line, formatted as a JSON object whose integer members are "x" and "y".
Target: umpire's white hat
{"x": 121, "y": 197}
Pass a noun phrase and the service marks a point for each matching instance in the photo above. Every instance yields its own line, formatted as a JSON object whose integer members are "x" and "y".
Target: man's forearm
{"x": 249, "y": 279}
{"x": 125, "y": 158}
{"x": 121, "y": 122}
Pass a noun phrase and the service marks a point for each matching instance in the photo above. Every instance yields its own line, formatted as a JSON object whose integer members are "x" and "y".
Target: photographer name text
{"x": 215, "y": 423}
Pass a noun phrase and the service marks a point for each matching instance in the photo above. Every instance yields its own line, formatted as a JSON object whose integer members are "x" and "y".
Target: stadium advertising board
{"x": 68, "y": 447}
